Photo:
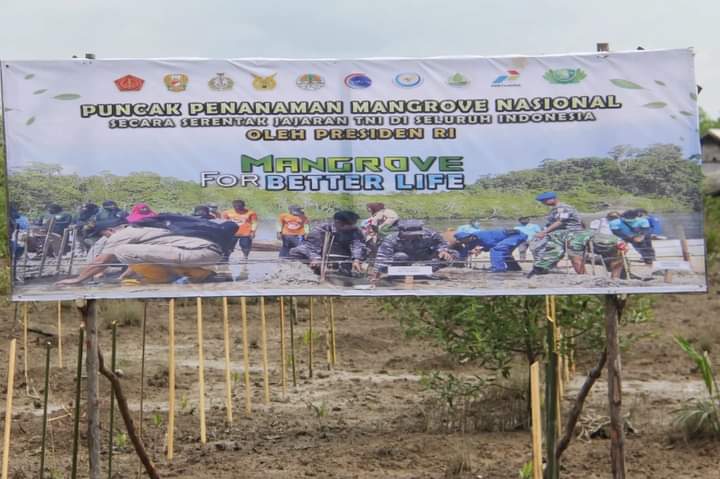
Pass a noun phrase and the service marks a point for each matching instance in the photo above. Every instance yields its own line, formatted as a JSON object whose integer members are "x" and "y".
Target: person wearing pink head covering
{"x": 139, "y": 212}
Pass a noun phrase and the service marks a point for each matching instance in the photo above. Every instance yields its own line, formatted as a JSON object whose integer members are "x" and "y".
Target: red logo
{"x": 129, "y": 83}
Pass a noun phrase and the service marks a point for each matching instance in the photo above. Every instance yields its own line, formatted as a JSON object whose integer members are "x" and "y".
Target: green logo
{"x": 564, "y": 76}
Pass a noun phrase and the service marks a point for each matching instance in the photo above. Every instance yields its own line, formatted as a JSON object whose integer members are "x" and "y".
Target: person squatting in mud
{"x": 339, "y": 244}
{"x": 412, "y": 243}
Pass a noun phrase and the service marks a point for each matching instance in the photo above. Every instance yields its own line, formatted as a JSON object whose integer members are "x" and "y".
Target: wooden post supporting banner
{"x": 171, "y": 381}
{"x": 228, "y": 383}
{"x": 551, "y": 393}
{"x": 113, "y": 366}
{"x": 310, "y": 337}
{"x": 8, "y": 410}
{"x": 263, "y": 347}
{"x": 142, "y": 369}
{"x": 293, "y": 320}
{"x": 76, "y": 415}
{"x": 246, "y": 356}
{"x": 91, "y": 401}
{"x": 201, "y": 371}
{"x": 45, "y": 404}
{"x": 536, "y": 420}
{"x": 283, "y": 358}
{"x": 59, "y": 334}
{"x": 613, "y": 311}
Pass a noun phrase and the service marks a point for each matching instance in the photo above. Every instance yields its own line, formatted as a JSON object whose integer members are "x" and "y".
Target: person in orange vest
{"x": 247, "y": 221}
{"x": 292, "y": 228}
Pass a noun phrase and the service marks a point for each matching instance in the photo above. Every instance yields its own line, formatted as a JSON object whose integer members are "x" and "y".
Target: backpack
{"x": 222, "y": 234}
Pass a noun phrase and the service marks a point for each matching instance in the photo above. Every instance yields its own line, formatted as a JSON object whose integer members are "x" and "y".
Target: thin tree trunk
{"x": 577, "y": 408}
{"x": 92, "y": 403}
{"x": 127, "y": 418}
{"x": 613, "y": 312}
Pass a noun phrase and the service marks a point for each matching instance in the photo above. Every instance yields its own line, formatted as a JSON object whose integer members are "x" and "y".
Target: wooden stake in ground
{"x": 113, "y": 362}
{"x": 142, "y": 368}
{"x": 311, "y": 314}
{"x": 25, "y": 346}
{"x": 333, "y": 351}
{"x": 91, "y": 401}
{"x": 76, "y": 416}
{"x": 246, "y": 356}
{"x": 228, "y": 383}
{"x": 263, "y": 347}
{"x": 201, "y": 371}
{"x": 283, "y": 359}
{"x": 328, "y": 347}
{"x": 8, "y": 410}
{"x": 59, "y": 334}
{"x": 536, "y": 420}
{"x": 293, "y": 320}
{"x": 45, "y": 403}
{"x": 171, "y": 381}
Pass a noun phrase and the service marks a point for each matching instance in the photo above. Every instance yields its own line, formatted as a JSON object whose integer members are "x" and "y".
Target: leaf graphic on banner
{"x": 30, "y": 121}
{"x": 30, "y": 76}
{"x": 67, "y": 96}
{"x": 686, "y": 113}
{"x": 693, "y": 95}
{"x": 661, "y": 83}
{"x": 655, "y": 104}
{"x": 39, "y": 92}
{"x": 626, "y": 84}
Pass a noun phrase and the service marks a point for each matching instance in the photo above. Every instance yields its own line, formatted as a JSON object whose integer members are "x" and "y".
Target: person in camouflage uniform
{"x": 413, "y": 243}
{"x": 608, "y": 247}
{"x": 548, "y": 246}
{"x": 347, "y": 246}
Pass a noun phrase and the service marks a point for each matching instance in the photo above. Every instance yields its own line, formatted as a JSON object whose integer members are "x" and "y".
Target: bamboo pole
{"x": 201, "y": 371}
{"x": 551, "y": 427}
{"x": 46, "y": 245}
{"x": 310, "y": 338}
{"x": 76, "y": 416}
{"x": 63, "y": 243}
{"x": 59, "y": 334}
{"x": 536, "y": 420}
{"x": 293, "y": 319}
{"x": 283, "y": 359}
{"x": 246, "y": 356}
{"x": 171, "y": 381}
{"x": 8, "y": 410}
{"x": 228, "y": 384}
{"x": 332, "y": 332}
{"x": 142, "y": 369}
{"x": 263, "y": 340}
{"x": 113, "y": 365}
{"x": 45, "y": 405}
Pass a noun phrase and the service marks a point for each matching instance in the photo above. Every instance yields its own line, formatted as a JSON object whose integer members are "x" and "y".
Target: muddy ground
{"x": 368, "y": 418}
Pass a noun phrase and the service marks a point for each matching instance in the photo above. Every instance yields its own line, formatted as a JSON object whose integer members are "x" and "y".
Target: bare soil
{"x": 367, "y": 418}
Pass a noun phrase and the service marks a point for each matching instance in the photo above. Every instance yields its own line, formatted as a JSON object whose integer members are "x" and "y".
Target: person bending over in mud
{"x": 339, "y": 243}
{"x": 161, "y": 249}
{"x": 412, "y": 243}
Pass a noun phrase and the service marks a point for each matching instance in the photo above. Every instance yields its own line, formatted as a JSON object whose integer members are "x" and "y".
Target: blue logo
{"x": 408, "y": 80}
{"x": 357, "y": 80}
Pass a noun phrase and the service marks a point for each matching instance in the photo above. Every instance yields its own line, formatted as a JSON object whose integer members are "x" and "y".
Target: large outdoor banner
{"x": 560, "y": 174}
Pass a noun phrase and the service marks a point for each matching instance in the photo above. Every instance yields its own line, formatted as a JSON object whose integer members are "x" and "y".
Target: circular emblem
{"x": 408, "y": 80}
{"x": 357, "y": 80}
{"x": 176, "y": 81}
{"x": 458, "y": 79}
{"x": 310, "y": 81}
{"x": 221, "y": 83}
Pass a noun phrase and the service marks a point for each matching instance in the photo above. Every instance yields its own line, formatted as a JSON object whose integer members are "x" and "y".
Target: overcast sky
{"x": 52, "y": 29}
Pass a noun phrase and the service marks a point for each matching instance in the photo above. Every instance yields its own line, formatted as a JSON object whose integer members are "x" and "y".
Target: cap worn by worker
{"x": 296, "y": 210}
{"x": 109, "y": 204}
{"x": 548, "y": 195}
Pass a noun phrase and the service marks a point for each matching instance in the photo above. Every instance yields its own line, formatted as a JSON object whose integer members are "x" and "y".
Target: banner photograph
{"x": 558, "y": 174}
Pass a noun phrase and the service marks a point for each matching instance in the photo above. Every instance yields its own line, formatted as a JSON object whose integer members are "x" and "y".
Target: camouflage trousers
{"x": 549, "y": 250}
{"x": 602, "y": 244}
